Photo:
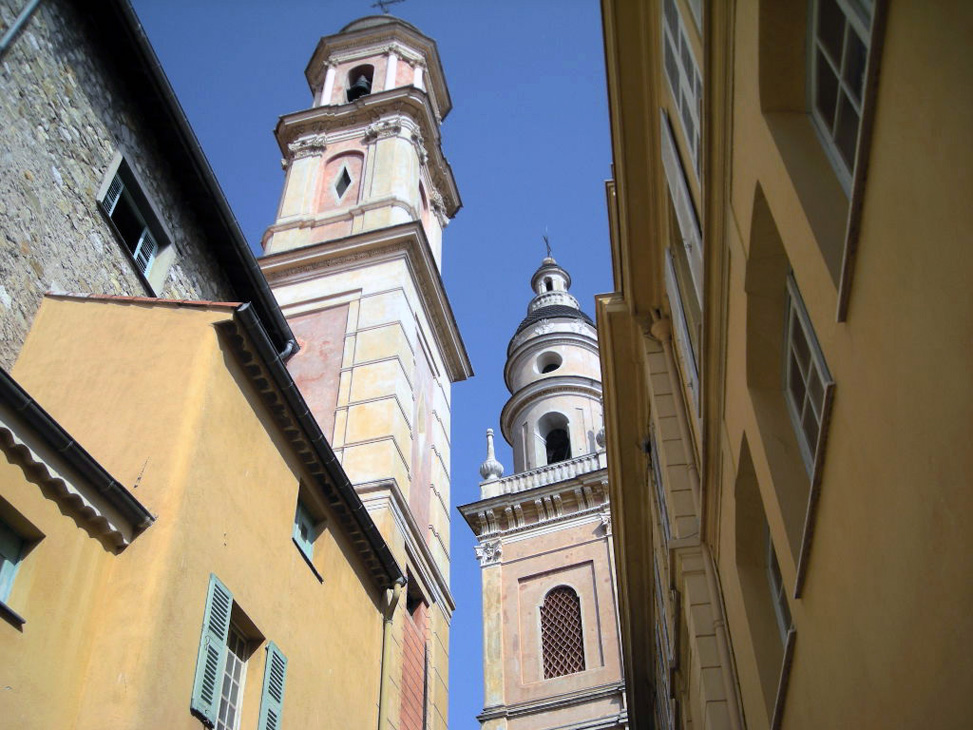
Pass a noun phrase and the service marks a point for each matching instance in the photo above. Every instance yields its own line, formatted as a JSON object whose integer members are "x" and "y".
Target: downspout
{"x": 662, "y": 331}
{"x": 392, "y": 596}
{"x": 18, "y": 25}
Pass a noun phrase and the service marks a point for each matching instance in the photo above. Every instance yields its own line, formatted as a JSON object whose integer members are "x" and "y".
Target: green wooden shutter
{"x": 272, "y": 698}
{"x": 212, "y": 651}
{"x": 11, "y": 546}
{"x": 304, "y": 530}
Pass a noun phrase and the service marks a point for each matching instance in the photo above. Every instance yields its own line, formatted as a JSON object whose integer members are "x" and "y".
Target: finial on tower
{"x": 384, "y": 4}
{"x": 547, "y": 242}
{"x": 491, "y": 469}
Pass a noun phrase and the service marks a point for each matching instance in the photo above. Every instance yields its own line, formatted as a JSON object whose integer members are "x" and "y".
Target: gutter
{"x": 274, "y": 319}
{"x": 72, "y": 452}
{"x": 18, "y": 25}
{"x": 319, "y": 444}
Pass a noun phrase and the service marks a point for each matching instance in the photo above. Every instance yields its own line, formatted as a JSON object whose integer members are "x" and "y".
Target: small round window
{"x": 548, "y": 362}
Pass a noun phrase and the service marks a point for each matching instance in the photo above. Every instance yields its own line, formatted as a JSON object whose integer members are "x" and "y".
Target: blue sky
{"x": 529, "y": 145}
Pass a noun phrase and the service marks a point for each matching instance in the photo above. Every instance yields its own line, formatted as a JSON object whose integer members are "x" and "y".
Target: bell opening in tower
{"x": 360, "y": 81}
{"x": 558, "y": 446}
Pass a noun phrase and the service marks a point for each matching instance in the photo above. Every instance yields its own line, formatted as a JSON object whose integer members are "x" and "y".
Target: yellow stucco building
{"x": 786, "y": 361}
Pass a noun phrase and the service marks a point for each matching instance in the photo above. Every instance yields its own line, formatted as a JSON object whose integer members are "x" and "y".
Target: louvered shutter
{"x": 272, "y": 698}
{"x": 212, "y": 651}
{"x": 114, "y": 193}
{"x": 145, "y": 251}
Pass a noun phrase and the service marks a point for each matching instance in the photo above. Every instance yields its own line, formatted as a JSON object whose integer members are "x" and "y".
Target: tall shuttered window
{"x": 685, "y": 81}
{"x": 562, "y": 638}
{"x": 221, "y": 668}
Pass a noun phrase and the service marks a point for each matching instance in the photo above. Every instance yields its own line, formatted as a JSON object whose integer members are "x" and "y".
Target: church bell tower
{"x": 354, "y": 259}
{"x": 551, "y": 656}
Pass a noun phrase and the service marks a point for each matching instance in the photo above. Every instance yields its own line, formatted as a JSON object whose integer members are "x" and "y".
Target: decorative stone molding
{"x": 420, "y": 146}
{"x": 382, "y": 130}
{"x": 489, "y": 552}
{"x": 313, "y": 144}
{"x": 606, "y": 521}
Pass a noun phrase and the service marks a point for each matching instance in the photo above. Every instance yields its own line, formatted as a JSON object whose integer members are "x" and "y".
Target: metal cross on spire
{"x": 384, "y": 4}
{"x": 547, "y": 242}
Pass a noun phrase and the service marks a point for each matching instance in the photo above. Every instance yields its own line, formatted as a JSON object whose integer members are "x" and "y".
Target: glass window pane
{"x": 846, "y": 135}
{"x": 831, "y": 28}
{"x": 854, "y": 67}
{"x": 802, "y": 351}
{"x": 795, "y": 383}
{"x": 825, "y": 91}
{"x": 810, "y": 427}
{"x": 815, "y": 392}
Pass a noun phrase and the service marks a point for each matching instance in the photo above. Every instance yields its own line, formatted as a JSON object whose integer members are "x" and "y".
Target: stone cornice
{"x": 404, "y": 107}
{"x": 405, "y": 241}
{"x": 552, "y": 326}
{"x": 539, "y": 507}
{"x": 573, "y": 384}
{"x": 557, "y": 702}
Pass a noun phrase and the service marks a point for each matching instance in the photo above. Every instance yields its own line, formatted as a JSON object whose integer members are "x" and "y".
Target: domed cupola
{"x": 554, "y": 376}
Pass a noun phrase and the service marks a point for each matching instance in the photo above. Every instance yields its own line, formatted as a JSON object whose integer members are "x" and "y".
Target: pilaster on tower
{"x": 354, "y": 259}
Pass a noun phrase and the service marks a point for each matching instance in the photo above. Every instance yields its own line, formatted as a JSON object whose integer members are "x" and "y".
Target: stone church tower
{"x": 354, "y": 260}
{"x": 551, "y": 656}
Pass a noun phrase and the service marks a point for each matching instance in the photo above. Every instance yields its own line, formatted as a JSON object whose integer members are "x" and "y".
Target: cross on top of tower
{"x": 384, "y": 4}
{"x": 547, "y": 242}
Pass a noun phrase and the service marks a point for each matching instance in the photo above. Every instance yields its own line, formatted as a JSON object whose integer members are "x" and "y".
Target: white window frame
{"x": 778, "y": 593}
{"x": 858, "y": 16}
{"x": 660, "y": 490}
{"x": 233, "y": 680}
{"x": 798, "y": 326}
{"x": 681, "y": 332}
{"x": 687, "y": 92}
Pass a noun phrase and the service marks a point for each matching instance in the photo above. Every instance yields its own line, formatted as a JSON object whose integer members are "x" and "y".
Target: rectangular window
{"x": 234, "y": 675}
{"x": 304, "y": 530}
{"x": 136, "y": 223}
{"x": 660, "y": 490}
{"x": 685, "y": 80}
{"x": 11, "y": 552}
{"x": 806, "y": 377}
{"x": 777, "y": 593}
{"x": 840, "y": 38}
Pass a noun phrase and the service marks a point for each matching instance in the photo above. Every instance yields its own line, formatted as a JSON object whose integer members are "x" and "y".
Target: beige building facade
{"x": 551, "y": 655}
{"x": 786, "y": 361}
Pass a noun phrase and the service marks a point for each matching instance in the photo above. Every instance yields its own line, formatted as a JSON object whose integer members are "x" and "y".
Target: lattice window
{"x": 562, "y": 639}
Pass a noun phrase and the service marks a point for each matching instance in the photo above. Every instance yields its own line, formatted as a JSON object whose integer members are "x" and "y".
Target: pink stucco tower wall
{"x": 551, "y": 654}
{"x": 354, "y": 258}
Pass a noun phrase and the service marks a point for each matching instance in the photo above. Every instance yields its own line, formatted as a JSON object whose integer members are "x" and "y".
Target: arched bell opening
{"x": 554, "y": 429}
{"x": 360, "y": 82}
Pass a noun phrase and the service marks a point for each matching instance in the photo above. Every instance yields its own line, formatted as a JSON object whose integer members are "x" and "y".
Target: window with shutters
{"x": 133, "y": 218}
{"x": 11, "y": 552}
{"x": 685, "y": 81}
{"x": 226, "y": 645}
{"x": 562, "y": 638}
{"x": 307, "y": 527}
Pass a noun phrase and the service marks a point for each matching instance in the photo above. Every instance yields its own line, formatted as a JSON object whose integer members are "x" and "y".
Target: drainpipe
{"x": 18, "y": 25}
{"x": 662, "y": 331}
{"x": 392, "y": 598}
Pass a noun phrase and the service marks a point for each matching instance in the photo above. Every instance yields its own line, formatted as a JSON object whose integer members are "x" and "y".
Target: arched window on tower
{"x": 562, "y": 638}
{"x": 548, "y": 284}
{"x": 360, "y": 81}
{"x": 557, "y": 441}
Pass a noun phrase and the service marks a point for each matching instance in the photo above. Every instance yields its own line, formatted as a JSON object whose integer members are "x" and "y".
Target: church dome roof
{"x": 559, "y": 311}
{"x": 372, "y": 21}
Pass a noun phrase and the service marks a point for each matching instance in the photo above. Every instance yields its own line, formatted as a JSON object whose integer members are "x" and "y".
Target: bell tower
{"x": 354, "y": 258}
{"x": 551, "y": 656}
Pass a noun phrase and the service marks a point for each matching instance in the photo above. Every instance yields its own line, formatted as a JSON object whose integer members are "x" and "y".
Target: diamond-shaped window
{"x": 342, "y": 183}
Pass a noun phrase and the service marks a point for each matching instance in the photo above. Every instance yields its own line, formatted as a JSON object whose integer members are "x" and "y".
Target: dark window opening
{"x": 558, "y": 446}
{"x": 550, "y": 367}
{"x": 360, "y": 82}
{"x": 344, "y": 181}
{"x": 548, "y": 285}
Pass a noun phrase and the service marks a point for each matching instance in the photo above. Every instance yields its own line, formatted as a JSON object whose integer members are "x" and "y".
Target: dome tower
{"x": 554, "y": 376}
